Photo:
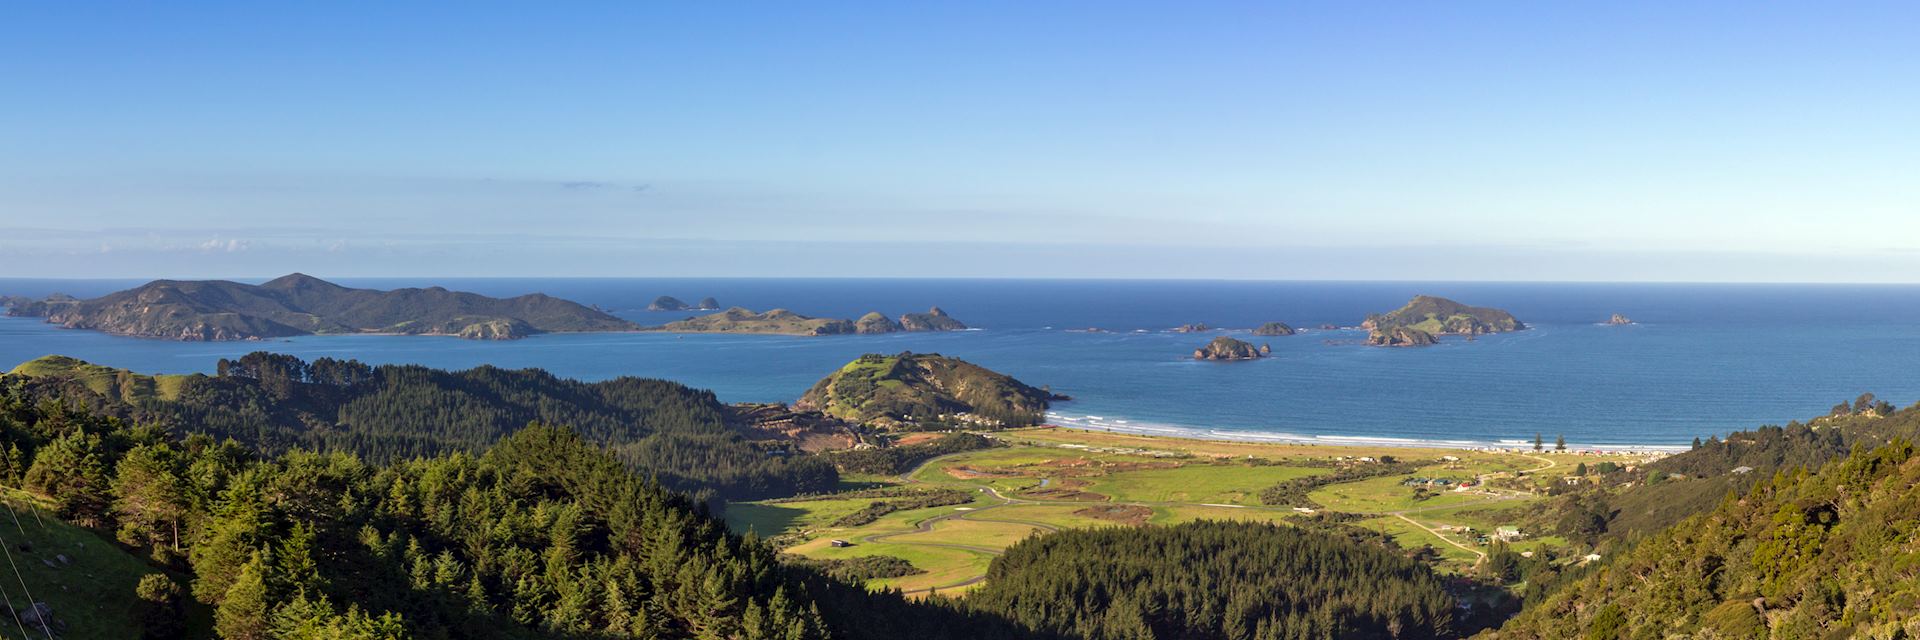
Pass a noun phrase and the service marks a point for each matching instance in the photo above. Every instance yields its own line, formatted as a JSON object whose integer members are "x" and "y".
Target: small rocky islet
{"x": 1224, "y": 348}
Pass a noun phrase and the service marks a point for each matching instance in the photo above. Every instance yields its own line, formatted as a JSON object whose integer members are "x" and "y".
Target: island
{"x": 1225, "y": 348}
{"x": 670, "y": 303}
{"x": 1274, "y": 329}
{"x": 1421, "y": 320}
{"x": 1618, "y": 319}
{"x": 777, "y": 321}
{"x": 910, "y": 391}
{"x": 1196, "y": 327}
{"x": 299, "y": 304}
{"x": 933, "y": 320}
{"x": 876, "y": 322}
{"x": 785, "y": 322}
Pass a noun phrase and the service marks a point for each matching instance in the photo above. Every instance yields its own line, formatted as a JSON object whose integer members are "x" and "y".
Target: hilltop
{"x": 298, "y": 304}
{"x": 1435, "y": 316}
{"x": 915, "y": 388}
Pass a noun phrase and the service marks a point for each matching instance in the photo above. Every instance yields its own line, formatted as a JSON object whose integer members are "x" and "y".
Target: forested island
{"x": 1425, "y": 317}
{"x": 298, "y": 304}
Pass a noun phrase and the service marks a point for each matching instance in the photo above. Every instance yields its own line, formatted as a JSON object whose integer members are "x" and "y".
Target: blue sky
{"x": 1465, "y": 140}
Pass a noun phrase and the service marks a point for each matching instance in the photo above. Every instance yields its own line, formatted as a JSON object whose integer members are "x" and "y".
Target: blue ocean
{"x": 1703, "y": 360}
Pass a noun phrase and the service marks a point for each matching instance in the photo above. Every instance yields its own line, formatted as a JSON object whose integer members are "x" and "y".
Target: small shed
{"x": 838, "y": 543}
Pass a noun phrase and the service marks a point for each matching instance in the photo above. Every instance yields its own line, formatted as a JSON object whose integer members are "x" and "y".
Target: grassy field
{"x": 107, "y": 381}
{"x": 1057, "y": 478}
{"x": 92, "y": 592}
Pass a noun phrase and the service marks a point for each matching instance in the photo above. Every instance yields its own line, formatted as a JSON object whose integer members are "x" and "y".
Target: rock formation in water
{"x": 1225, "y": 348}
{"x": 1274, "y": 329}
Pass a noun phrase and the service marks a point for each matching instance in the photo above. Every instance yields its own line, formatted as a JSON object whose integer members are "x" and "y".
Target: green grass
{"x": 107, "y": 381}
{"x": 1198, "y": 483}
{"x": 93, "y": 594}
{"x": 1057, "y": 515}
{"x": 1179, "y": 514}
{"x": 979, "y": 533}
{"x": 1383, "y": 495}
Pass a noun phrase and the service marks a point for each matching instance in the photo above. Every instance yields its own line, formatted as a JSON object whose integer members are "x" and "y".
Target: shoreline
{"x": 1154, "y": 430}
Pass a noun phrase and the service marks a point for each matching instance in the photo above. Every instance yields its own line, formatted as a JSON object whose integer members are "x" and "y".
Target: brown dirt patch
{"x": 1128, "y": 514}
{"x": 917, "y": 438}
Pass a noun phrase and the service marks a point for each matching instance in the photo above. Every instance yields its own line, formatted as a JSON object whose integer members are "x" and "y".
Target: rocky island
{"x": 916, "y": 390}
{"x": 1618, "y": 319}
{"x": 1225, "y": 348}
{"x": 1274, "y": 329}
{"x": 1197, "y": 327}
{"x": 299, "y": 304}
{"x": 784, "y": 322}
{"x": 933, "y": 320}
{"x": 1426, "y": 317}
{"x": 670, "y": 303}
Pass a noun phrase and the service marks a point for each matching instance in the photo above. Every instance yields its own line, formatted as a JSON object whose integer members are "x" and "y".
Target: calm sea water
{"x": 1706, "y": 359}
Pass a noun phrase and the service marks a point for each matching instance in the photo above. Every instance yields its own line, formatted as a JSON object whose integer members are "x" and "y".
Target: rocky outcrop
{"x": 1400, "y": 337}
{"x": 1225, "y": 348}
{"x": 933, "y": 320}
{"x": 1197, "y": 327}
{"x": 707, "y": 304}
{"x": 1618, "y": 319}
{"x": 875, "y": 322}
{"x": 496, "y": 329}
{"x": 1274, "y": 329}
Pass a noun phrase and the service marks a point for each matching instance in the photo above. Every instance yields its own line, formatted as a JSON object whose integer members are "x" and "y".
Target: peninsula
{"x": 299, "y": 304}
{"x": 1421, "y": 320}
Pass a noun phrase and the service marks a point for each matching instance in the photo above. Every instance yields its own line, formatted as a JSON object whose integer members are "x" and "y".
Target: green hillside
{"x": 1801, "y": 555}
{"x": 925, "y": 390}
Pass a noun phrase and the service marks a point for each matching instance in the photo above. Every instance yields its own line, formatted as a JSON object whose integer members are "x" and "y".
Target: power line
{"x": 44, "y": 628}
